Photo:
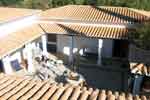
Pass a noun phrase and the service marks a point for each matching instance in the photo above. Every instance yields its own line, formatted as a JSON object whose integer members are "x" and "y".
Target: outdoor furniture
{"x": 59, "y": 62}
{"x": 75, "y": 79}
{"x": 54, "y": 69}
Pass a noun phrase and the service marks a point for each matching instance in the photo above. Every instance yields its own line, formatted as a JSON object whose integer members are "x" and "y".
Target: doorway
{"x": 52, "y": 42}
{"x": 1, "y": 66}
{"x": 120, "y": 48}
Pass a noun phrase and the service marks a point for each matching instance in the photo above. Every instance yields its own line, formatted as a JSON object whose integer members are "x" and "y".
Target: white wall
{"x": 7, "y": 61}
{"x": 16, "y": 55}
{"x": 64, "y": 44}
{"x": 7, "y": 66}
{"x": 36, "y": 51}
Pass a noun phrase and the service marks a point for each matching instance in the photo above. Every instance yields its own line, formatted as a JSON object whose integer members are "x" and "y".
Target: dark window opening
{"x": 51, "y": 47}
{"x": 15, "y": 65}
{"x": 1, "y": 66}
{"x": 51, "y": 37}
{"x": 121, "y": 48}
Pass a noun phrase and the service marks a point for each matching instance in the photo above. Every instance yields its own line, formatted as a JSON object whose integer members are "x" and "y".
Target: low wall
{"x": 138, "y": 55}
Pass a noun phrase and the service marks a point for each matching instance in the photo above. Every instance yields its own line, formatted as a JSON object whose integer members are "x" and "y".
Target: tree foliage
{"x": 44, "y": 4}
{"x": 142, "y": 36}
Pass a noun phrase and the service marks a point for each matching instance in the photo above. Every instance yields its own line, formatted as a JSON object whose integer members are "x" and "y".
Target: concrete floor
{"x": 104, "y": 78}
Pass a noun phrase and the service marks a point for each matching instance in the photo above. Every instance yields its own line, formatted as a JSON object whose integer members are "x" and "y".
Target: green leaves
{"x": 142, "y": 36}
{"x": 44, "y": 4}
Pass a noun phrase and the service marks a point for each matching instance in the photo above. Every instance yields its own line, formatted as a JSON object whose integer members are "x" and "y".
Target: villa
{"x": 105, "y": 31}
{"x": 85, "y": 31}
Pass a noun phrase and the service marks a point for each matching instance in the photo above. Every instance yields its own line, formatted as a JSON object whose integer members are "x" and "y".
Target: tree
{"x": 35, "y": 4}
{"x": 10, "y": 2}
{"x": 141, "y": 36}
{"x": 44, "y": 4}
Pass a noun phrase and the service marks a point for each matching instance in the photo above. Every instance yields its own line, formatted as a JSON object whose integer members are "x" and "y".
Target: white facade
{"x": 30, "y": 51}
{"x": 89, "y": 45}
{"x": 7, "y": 66}
{"x": 64, "y": 43}
{"x": 8, "y": 69}
{"x": 44, "y": 44}
{"x": 16, "y": 55}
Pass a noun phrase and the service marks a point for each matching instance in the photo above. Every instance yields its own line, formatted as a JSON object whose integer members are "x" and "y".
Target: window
{"x": 52, "y": 39}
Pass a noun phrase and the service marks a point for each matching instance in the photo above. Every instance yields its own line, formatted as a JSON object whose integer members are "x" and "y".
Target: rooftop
{"x": 7, "y": 14}
{"x": 16, "y": 87}
{"x": 87, "y": 31}
{"x": 90, "y": 21}
{"x": 11, "y": 42}
{"x": 96, "y": 14}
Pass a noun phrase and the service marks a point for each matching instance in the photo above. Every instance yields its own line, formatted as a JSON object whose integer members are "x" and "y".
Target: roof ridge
{"x": 91, "y": 6}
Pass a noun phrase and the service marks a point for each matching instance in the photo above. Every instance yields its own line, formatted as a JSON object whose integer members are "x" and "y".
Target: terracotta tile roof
{"x": 15, "y": 40}
{"x": 146, "y": 13}
{"x": 13, "y": 13}
{"x": 140, "y": 68}
{"x": 87, "y": 31}
{"x": 23, "y": 88}
{"x": 96, "y": 14}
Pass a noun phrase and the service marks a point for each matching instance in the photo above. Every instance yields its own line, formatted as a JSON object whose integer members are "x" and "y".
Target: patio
{"x": 115, "y": 71}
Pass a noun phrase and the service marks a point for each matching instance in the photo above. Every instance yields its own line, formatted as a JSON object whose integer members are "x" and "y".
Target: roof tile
{"x": 27, "y": 88}
{"x": 86, "y": 31}
{"x": 8, "y": 14}
{"x": 96, "y": 14}
{"x": 17, "y": 39}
